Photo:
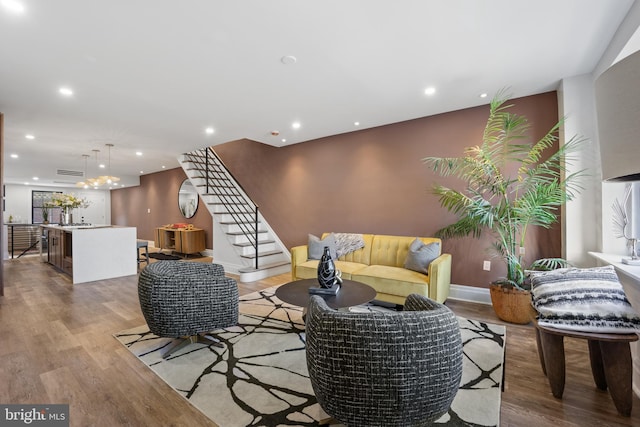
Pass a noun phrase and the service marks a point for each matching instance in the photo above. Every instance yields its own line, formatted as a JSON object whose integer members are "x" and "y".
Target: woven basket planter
{"x": 512, "y": 305}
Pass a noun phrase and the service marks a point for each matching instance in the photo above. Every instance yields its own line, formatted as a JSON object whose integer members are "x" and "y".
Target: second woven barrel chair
{"x": 186, "y": 300}
{"x": 384, "y": 369}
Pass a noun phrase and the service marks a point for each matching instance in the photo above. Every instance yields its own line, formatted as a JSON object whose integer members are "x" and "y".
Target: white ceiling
{"x": 151, "y": 75}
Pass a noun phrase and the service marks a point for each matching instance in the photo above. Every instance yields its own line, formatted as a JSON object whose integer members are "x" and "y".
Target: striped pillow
{"x": 583, "y": 299}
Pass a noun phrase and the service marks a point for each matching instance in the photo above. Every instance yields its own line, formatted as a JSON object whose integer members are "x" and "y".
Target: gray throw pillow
{"x": 316, "y": 246}
{"x": 420, "y": 256}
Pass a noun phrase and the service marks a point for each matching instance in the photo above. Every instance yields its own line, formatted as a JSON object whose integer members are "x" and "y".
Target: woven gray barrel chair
{"x": 384, "y": 369}
{"x": 186, "y": 300}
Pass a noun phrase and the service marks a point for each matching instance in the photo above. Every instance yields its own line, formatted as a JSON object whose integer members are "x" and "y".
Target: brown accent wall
{"x": 158, "y": 192}
{"x": 373, "y": 181}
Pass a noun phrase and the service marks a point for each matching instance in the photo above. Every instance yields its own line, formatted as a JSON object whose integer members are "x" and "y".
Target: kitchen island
{"x": 90, "y": 252}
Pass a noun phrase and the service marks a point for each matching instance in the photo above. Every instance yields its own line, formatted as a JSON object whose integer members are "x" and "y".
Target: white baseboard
{"x": 207, "y": 252}
{"x": 470, "y": 293}
{"x": 229, "y": 267}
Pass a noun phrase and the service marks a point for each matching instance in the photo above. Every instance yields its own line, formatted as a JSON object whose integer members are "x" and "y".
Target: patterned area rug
{"x": 260, "y": 376}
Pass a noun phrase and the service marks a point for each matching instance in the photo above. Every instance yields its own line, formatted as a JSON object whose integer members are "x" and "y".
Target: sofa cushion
{"x": 392, "y": 250}
{"x": 393, "y": 280}
{"x": 316, "y": 246}
{"x": 309, "y": 269}
{"x": 420, "y": 255}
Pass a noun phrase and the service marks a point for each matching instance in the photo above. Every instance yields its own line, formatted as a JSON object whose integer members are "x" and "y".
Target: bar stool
{"x": 142, "y": 257}
{"x": 610, "y": 358}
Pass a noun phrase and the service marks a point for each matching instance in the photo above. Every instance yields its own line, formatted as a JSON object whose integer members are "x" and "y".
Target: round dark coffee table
{"x": 351, "y": 293}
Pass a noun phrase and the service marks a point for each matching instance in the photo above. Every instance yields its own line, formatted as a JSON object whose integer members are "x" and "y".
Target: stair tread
{"x": 213, "y": 185}
{"x": 229, "y": 203}
{"x": 214, "y": 194}
{"x": 263, "y": 267}
{"x": 262, "y": 254}
{"x": 240, "y": 233}
{"x": 237, "y": 222}
{"x": 236, "y": 202}
{"x": 260, "y": 242}
{"x": 231, "y": 213}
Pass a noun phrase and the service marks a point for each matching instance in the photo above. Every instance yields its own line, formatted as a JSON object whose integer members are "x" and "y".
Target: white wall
{"x": 588, "y": 222}
{"x": 18, "y": 204}
{"x": 582, "y": 217}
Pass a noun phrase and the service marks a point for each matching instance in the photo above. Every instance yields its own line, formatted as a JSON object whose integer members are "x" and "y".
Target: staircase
{"x": 249, "y": 247}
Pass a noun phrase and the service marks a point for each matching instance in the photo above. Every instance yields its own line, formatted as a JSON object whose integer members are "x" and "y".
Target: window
{"x": 38, "y": 200}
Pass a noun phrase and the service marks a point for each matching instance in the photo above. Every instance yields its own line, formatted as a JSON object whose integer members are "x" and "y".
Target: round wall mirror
{"x": 187, "y": 199}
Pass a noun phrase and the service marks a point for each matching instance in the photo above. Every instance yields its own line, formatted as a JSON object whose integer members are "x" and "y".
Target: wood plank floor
{"x": 56, "y": 346}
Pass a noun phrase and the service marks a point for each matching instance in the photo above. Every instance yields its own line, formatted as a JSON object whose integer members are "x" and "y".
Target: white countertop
{"x": 78, "y": 227}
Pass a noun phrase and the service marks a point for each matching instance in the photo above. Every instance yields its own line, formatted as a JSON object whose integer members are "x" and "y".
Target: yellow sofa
{"x": 380, "y": 264}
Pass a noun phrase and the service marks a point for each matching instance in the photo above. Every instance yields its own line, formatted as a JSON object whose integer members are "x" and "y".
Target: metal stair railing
{"x": 243, "y": 210}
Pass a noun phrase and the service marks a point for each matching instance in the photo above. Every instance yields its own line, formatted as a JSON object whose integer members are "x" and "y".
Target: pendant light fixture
{"x": 108, "y": 179}
{"x": 85, "y": 183}
{"x": 93, "y": 182}
{"x": 102, "y": 179}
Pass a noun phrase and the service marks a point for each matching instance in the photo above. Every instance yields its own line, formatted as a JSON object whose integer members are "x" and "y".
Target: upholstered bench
{"x": 590, "y": 304}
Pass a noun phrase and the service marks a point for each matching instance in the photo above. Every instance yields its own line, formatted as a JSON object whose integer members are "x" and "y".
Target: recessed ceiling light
{"x": 13, "y": 6}
{"x": 284, "y": 140}
{"x": 141, "y": 171}
{"x": 356, "y": 123}
{"x": 209, "y": 131}
{"x": 138, "y": 153}
{"x": 26, "y": 183}
{"x": 483, "y": 95}
{"x": 29, "y": 136}
{"x": 430, "y": 91}
{"x": 35, "y": 178}
{"x": 14, "y": 156}
{"x": 65, "y": 91}
{"x": 163, "y": 166}
{"x": 288, "y": 59}
{"x": 296, "y": 125}
{"x": 101, "y": 166}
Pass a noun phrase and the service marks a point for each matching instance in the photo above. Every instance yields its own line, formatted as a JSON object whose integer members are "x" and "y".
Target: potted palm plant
{"x": 510, "y": 184}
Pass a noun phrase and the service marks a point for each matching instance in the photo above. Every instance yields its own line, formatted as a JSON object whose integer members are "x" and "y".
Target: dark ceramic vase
{"x": 326, "y": 270}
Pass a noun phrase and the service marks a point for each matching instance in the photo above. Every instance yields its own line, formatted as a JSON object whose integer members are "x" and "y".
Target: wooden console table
{"x": 182, "y": 240}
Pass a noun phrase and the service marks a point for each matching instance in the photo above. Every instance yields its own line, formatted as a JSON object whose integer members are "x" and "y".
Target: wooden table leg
{"x": 540, "y": 352}
{"x": 597, "y": 368}
{"x": 553, "y": 350}
{"x": 616, "y": 358}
